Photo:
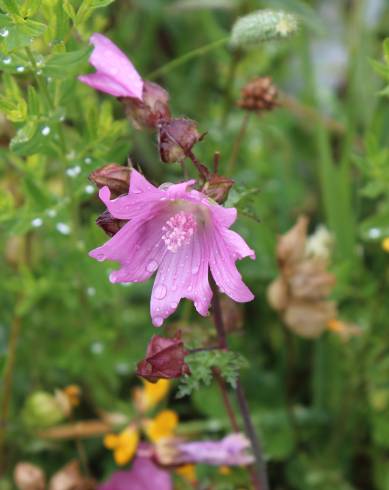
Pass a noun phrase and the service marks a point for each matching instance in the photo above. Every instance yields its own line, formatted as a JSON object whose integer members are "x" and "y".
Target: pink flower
{"x": 180, "y": 233}
{"x": 143, "y": 475}
{"x": 115, "y": 74}
{"x": 233, "y": 450}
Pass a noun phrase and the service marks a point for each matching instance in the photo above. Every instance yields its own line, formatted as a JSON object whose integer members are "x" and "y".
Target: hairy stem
{"x": 195, "y": 53}
{"x": 226, "y": 400}
{"x": 238, "y": 143}
{"x": 259, "y": 477}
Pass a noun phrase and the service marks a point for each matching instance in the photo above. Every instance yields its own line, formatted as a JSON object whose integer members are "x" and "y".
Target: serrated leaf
{"x": 66, "y": 64}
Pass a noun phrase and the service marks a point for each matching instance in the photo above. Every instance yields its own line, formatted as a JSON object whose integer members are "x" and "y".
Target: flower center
{"x": 178, "y": 230}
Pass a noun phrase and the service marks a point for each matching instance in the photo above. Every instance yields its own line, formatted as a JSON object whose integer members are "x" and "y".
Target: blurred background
{"x": 320, "y": 404}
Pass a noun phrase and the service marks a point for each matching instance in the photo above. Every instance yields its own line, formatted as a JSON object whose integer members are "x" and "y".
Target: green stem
{"x": 195, "y": 53}
{"x": 237, "y": 144}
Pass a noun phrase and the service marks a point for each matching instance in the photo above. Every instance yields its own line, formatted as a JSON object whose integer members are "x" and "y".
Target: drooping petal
{"x": 104, "y": 83}
{"x": 223, "y": 268}
{"x": 133, "y": 205}
{"x": 182, "y": 274}
{"x": 108, "y": 59}
{"x": 179, "y": 191}
{"x": 139, "y": 183}
{"x": 237, "y": 245}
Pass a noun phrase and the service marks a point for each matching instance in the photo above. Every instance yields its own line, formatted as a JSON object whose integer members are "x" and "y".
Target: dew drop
{"x": 4, "y": 32}
{"x": 190, "y": 288}
{"x": 20, "y": 69}
{"x": 374, "y": 233}
{"x": 63, "y": 228}
{"x": 7, "y": 60}
{"x": 88, "y": 160}
{"x": 52, "y": 213}
{"x": 195, "y": 269}
{"x": 152, "y": 266}
{"x": 173, "y": 305}
{"x": 37, "y": 222}
{"x": 160, "y": 291}
{"x": 100, "y": 257}
{"x": 91, "y": 291}
{"x": 73, "y": 171}
{"x": 89, "y": 189}
{"x": 46, "y": 130}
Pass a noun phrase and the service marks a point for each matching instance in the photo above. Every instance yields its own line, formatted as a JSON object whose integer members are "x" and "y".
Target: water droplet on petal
{"x": 190, "y": 288}
{"x": 152, "y": 266}
{"x": 158, "y": 321}
{"x": 160, "y": 291}
{"x": 173, "y": 305}
{"x": 100, "y": 257}
{"x": 195, "y": 269}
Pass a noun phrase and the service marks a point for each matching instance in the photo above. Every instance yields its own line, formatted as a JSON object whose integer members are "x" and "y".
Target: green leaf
{"x": 69, "y": 9}
{"x": 63, "y": 65}
{"x": 19, "y": 34}
{"x": 30, "y": 7}
{"x": 31, "y": 138}
{"x": 202, "y": 364}
{"x": 10, "y": 6}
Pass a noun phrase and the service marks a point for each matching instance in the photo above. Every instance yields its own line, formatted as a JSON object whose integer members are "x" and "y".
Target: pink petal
{"x": 104, "y": 83}
{"x": 182, "y": 274}
{"x": 139, "y": 183}
{"x": 137, "y": 246}
{"x": 179, "y": 191}
{"x": 133, "y": 205}
{"x": 238, "y": 246}
{"x": 223, "y": 268}
{"x": 116, "y": 74}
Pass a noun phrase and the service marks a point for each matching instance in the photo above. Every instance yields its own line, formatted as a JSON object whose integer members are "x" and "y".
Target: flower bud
{"x": 110, "y": 224}
{"x": 291, "y": 246}
{"x": 262, "y": 25}
{"x": 258, "y": 95}
{"x": 42, "y": 410}
{"x": 309, "y": 319}
{"x": 218, "y": 187}
{"x": 29, "y": 477}
{"x": 176, "y": 139}
{"x": 116, "y": 177}
{"x": 151, "y": 110}
{"x": 70, "y": 478}
{"x": 165, "y": 358}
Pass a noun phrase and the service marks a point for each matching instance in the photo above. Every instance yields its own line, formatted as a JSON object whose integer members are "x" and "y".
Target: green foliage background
{"x": 322, "y": 407}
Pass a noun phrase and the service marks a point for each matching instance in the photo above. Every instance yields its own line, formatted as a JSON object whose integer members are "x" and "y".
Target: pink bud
{"x": 116, "y": 177}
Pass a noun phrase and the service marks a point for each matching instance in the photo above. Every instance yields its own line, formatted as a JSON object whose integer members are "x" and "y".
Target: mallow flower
{"x": 179, "y": 233}
{"x": 115, "y": 74}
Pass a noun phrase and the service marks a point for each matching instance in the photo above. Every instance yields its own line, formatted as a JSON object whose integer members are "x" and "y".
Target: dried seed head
{"x": 259, "y": 95}
{"x": 218, "y": 187}
{"x": 110, "y": 224}
{"x": 29, "y": 477}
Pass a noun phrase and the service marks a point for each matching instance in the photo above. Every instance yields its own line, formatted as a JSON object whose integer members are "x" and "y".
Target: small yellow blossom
{"x": 187, "y": 472}
{"x": 162, "y": 426}
{"x": 123, "y": 445}
{"x": 224, "y": 470}
{"x": 385, "y": 244}
{"x": 343, "y": 329}
{"x": 73, "y": 393}
{"x": 151, "y": 394}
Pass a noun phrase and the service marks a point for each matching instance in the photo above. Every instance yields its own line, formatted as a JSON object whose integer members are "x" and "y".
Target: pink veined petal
{"x": 179, "y": 191}
{"x": 224, "y": 270}
{"x": 237, "y": 245}
{"x": 137, "y": 246}
{"x": 108, "y": 59}
{"x": 182, "y": 274}
{"x": 105, "y": 83}
{"x": 133, "y": 205}
{"x": 224, "y": 216}
{"x": 139, "y": 183}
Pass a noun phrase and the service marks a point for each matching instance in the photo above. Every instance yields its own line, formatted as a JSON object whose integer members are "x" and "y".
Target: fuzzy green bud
{"x": 262, "y": 25}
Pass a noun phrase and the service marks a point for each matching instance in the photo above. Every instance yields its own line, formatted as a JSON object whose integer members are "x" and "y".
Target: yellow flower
{"x": 123, "y": 445}
{"x": 73, "y": 393}
{"x": 385, "y": 244}
{"x": 343, "y": 330}
{"x": 188, "y": 472}
{"x": 162, "y": 426}
{"x": 151, "y": 394}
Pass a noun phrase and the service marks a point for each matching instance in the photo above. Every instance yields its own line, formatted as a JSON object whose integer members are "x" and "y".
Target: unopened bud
{"x": 151, "y": 110}
{"x": 70, "y": 478}
{"x": 258, "y": 95}
{"x": 43, "y": 410}
{"x": 218, "y": 187}
{"x": 110, "y": 224}
{"x": 176, "y": 139}
{"x": 116, "y": 177}
{"x": 29, "y": 477}
{"x": 262, "y": 25}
